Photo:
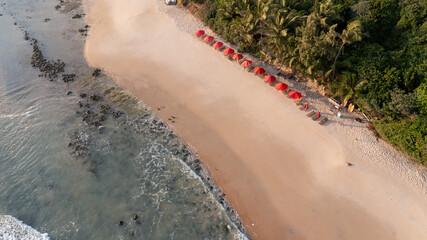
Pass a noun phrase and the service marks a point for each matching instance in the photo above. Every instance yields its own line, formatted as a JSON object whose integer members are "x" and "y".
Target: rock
{"x": 100, "y": 129}
{"x": 77, "y": 16}
{"x": 120, "y": 223}
{"x": 94, "y": 97}
{"x": 83, "y": 95}
{"x": 68, "y": 77}
{"x": 69, "y": 93}
{"x": 132, "y": 233}
{"x": 47, "y": 19}
{"x": 138, "y": 222}
{"x": 50, "y": 69}
{"x": 135, "y": 217}
{"x": 96, "y": 73}
{"x": 57, "y": 7}
{"x": 104, "y": 108}
{"x": 349, "y": 164}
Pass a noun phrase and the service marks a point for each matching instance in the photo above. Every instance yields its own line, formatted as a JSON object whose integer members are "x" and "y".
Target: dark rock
{"x": 135, "y": 217}
{"x": 96, "y": 73}
{"x": 104, "y": 108}
{"x": 132, "y": 233}
{"x": 117, "y": 114}
{"x": 83, "y": 95}
{"x": 120, "y": 223}
{"x": 95, "y": 98}
{"x": 57, "y": 7}
{"x": 50, "y": 69}
{"x": 69, "y": 93}
{"x": 77, "y": 16}
{"x": 68, "y": 77}
{"x": 47, "y": 19}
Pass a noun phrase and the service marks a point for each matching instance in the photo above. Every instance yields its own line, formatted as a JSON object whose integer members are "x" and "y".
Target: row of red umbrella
{"x": 247, "y": 63}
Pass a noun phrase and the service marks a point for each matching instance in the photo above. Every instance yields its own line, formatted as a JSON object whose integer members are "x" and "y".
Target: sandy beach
{"x": 284, "y": 174}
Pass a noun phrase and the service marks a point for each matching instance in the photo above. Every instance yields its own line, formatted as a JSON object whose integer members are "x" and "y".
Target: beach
{"x": 285, "y": 175}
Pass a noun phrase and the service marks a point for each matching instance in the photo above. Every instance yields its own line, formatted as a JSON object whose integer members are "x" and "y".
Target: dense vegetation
{"x": 370, "y": 52}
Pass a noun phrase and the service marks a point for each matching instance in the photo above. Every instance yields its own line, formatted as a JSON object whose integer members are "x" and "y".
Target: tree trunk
{"x": 336, "y": 59}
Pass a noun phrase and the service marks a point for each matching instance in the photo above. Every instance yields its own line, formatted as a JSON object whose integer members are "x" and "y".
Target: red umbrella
{"x": 237, "y": 56}
{"x": 306, "y": 106}
{"x": 247, "y": 63}
{"x": 218, "y": 44}
{"x": 281, "y": 86}
{"x": 228, "y": 51}
{"x": 272, "y": 79}
{"x": 295, "y": 95}
{"x": 200, "y": 33}
{"x": 259, "y": 70}
{"x": 208, "y": 39}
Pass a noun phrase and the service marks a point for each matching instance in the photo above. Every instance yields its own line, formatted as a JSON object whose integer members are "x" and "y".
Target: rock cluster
{"x": 49, "y": 69}
{"x": 68, "y": 77}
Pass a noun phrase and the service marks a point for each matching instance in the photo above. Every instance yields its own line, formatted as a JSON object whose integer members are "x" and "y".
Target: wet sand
{"x": 284, "y": 174}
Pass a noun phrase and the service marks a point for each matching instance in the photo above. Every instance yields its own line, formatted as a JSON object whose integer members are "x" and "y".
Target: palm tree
{"x": 276, "y": 30}
{"x": 352, "y": 33}
{"x": 349, "y": 86}
{"x": 317, "y": 44}
{"x": 250, "y": 19}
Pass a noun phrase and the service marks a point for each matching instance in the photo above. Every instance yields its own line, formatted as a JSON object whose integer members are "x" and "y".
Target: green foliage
{"x": 422, "y": 97}
{"x": 408, "y": 135}
{"x": 374, "y": 51}
{"x": 401, "y": 103}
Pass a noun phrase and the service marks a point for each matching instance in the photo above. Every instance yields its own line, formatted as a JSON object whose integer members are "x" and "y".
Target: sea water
{"x": 133, "y": 181}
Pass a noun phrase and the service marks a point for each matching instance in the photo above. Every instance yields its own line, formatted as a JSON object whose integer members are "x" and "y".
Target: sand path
{"x": 284, "y": 174}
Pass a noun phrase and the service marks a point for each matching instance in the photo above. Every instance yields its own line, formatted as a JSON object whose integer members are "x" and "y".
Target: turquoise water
{"x": 133, "y": 166}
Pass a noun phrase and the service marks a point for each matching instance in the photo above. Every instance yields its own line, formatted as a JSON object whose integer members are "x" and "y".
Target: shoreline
{"x": 79, "y": 78}
{"x": 248, "y": 182}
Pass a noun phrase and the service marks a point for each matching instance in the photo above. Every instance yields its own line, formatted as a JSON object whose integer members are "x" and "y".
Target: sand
{"x": 285, "y": 175}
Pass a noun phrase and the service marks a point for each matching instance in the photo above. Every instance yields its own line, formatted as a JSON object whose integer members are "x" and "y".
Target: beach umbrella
{"x": 318, "y": 115}
{"x": 200, "y": 33}
{"x": 281, "y": 86}
{"x": 208, "y": 39}
{"x": 228, "y": 51}
{"x": 259, "y": 70}
{"x": 306, "y": 106}
{"x": 237, "y": 56}
{"x": 247, "y": 63}
{"x": 218, "y": 44}
{"x": 272, "y": 79}
{"x": 295, "y": 95}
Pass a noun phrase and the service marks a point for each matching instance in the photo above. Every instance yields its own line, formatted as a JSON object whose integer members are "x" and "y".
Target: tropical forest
{"x": 371, "y": 53}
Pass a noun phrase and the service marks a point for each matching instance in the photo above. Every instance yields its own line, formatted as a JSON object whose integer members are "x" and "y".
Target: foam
{"x": 12, "y": 228}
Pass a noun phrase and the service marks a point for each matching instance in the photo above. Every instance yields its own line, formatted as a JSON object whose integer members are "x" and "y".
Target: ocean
{"x": 100, "y": 166}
